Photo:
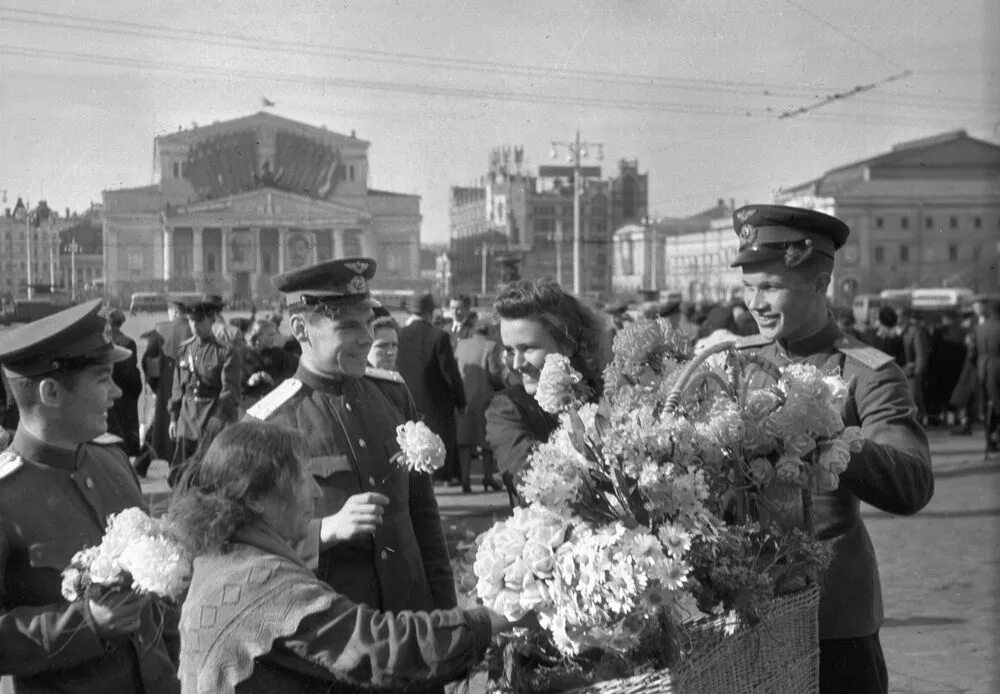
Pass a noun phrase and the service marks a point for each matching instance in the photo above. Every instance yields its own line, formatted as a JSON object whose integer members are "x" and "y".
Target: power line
{"x": 613, "y": 103}
{"x": 840, "y": 96}
{"x": 849, "y": 37}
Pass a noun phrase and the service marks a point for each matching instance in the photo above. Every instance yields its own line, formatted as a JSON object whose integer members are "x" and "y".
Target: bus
{"x": 156, "y": 302}
{"x": 943, "y": 299}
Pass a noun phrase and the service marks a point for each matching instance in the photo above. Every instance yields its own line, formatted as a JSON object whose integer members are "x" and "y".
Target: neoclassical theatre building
{"x": 239, "y": 201}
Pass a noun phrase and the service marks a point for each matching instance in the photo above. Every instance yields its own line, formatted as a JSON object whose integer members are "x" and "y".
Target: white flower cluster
{"x": 137, "y": 554}
{"x": 421, "y": 450}
{"x": 556, "y": 385}
{"x": 799, "y": 420}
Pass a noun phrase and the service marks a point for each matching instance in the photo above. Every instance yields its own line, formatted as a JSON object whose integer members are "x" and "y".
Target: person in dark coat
{"x": 916, "y": 357}
{"x": 786, "y": 256}
{"x": 378, "y": 538}
{"x": 427, "y": 364}
{"x": 206, "y": 389}
{"x": 885, "y": 335}
{"x": 538, "y": 318}
{"x": 158, "y": 363}
{"x": 123, "y": 417}
{"x": 986, "y": 355}
{"x": 263, "y": 362}
{"x": 480, "y": 361}
{"x": 60, "y": 479}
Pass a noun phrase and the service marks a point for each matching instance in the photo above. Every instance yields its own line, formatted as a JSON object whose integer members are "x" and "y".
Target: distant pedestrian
{"x": 123, "y": 417}
{"x": 385, "y": 343}
{"x": 986, "y": 352}
{"x": 916, "y": 357}
{"x": 480, "y": 361}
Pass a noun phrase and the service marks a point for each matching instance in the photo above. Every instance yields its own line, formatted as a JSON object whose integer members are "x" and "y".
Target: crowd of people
{"x": 319, "y": 561}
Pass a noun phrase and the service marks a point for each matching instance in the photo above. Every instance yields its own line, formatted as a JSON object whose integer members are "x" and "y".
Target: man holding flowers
{"x": 787, "y": 258}
{"x": 58, "y": 486}
{"x": 380, "y": 538}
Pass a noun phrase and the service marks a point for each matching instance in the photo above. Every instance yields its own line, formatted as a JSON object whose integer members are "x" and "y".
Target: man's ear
{"x": 49, "y": 392}
{"x": 297, "y": 324}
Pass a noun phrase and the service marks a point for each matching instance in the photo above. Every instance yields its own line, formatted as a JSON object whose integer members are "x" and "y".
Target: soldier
{"x": 206, "y": 388}
{"x": 380, "y": 538}
{"x": 58, "y": 485}
{"x": 787, "y": 258}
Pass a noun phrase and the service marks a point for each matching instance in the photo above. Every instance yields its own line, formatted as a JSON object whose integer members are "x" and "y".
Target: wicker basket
{"x": 780, "y": 655}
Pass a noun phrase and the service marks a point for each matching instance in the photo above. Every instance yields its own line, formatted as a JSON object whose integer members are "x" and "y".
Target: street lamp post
{"x": 73, "y": 249}
{"x": 576, "y": 151}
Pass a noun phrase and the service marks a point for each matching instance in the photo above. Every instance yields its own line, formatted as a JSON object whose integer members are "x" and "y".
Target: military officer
{"x": 380, "y": 537}
{"x": 206, "y": 387}
{"x": 787, "y": 258}
{"x": 58, "y": 485}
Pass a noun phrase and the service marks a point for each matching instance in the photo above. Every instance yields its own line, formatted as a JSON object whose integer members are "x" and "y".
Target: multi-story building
{"x": 81, "y": 253}
{"x": 16, "y": 227}
{"x": 239, "y": 201}
{"x": 924, "y": 214}
{"x": 523, "y": 218}
{"x": 677, "y": 255}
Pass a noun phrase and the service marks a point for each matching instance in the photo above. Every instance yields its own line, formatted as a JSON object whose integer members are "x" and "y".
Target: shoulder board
{"x": 10, "y": 462}
{"x": 267, "y": 405}
{"x": 108, "y": 439}
{"x": 752, "y": 341}
{"x": 188, "y": 341}
{"x": 866, "y": 354}
{"x": 384, "y": 375}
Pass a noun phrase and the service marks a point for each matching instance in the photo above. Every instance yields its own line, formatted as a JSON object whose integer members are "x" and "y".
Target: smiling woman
{"x": 538, "y": 318}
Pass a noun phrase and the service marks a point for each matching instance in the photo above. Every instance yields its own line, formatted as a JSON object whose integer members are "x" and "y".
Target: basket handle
{"x": 674, "y": 397}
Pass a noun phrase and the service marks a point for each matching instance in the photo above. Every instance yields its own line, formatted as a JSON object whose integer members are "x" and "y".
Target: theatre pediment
{"x": 268, "y": 207}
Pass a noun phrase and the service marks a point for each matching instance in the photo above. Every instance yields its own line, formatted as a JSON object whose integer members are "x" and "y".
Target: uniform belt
{"x": 202, "y": 392}
{"x": 201, "y": 396}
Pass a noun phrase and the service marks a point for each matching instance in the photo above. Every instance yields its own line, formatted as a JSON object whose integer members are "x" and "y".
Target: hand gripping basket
{"x": 778, "y": 655}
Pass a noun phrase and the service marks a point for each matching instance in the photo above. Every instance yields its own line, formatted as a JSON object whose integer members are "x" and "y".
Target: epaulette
{"x": 108, "y": 439}
{"x": 384, "y": 375}
{"x": 871, "y": 357}
{"x": 749, "y": 341}
{"x": 268, "y": 404}
{"x": 10, "y": 462}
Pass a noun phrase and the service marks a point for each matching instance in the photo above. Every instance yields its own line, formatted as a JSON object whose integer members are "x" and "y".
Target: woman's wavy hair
{"x": 245, "y": 462}
{"x": 580, "y": 332}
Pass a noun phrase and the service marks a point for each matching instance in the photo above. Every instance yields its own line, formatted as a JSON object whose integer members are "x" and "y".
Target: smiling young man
{"x": 58, "y": 484}
{"x": 380, "y": 536}
{"x": 787, "y": 258}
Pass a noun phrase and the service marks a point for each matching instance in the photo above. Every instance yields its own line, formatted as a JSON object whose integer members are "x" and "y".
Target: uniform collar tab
{"x": 37, "y": 451}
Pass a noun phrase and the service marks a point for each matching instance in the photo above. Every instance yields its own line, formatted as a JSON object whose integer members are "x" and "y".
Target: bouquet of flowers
{"x": 421, "y": 450}
{"x": 630, "y": 530}
{"x": 137, "y": 553}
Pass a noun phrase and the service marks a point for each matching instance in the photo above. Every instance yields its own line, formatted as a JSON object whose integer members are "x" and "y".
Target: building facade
{"x": 239, "y": 201}
{"x": 521, "y": 222}
{"x": 924, "y": 214}
{"x": 81, "y": 254}
{"x": 17, "y": 227}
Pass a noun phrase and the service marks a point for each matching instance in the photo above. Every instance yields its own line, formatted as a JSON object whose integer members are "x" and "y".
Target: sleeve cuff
{"x": 482, "y": 629}
{"x": 308, "y": 548}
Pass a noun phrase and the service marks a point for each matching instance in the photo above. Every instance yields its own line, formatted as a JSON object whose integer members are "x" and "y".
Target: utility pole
{"x": 559, "y": 242}
{"x": 73, "y": 250}
{"x": 484, "y": 252}
{"x": 651, "y": 229}
{"x": 577, "y": 151}
{"x": 52, "y": 261}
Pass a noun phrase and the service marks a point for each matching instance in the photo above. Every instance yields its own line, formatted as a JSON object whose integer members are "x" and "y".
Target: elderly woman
{"x": 538, "y": 318}
{"x": 256, "y": 619}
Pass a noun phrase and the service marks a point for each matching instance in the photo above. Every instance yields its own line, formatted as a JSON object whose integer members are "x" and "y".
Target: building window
{"x": 210, "y": 262}
{"x": 177, "y": 170}
{"x": 904, "y": 253}
{"x": 928, "y": 222}
{"x": 953, "y": 252}
{"x": 350, "y": 172}
{"x": 265, "y": 263}
{"x": 879, "y": 254}
{"x": 879, "y": 222}
{"x": 953, "y": 222}
{"x": 904, "y": 223}
{"x": 977, "y": 222}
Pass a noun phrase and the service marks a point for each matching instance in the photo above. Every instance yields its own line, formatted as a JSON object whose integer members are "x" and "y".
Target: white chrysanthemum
{"x": 159, "y": 566}
{"x": 555, "y": 474}
{"x": 555, "y": 392}
{"x": 74, "y": 584}
{"x": 421, "y": 450}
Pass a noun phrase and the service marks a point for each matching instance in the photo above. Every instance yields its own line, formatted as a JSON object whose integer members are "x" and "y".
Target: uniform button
{"x": 384, "y": 554}
{"x": 371, "y": 481}
{"x": 139, "y": 639}
{"x": 347, "y": 406}
{"x": 361, "y": 442}
{"x": 89, "y": 483}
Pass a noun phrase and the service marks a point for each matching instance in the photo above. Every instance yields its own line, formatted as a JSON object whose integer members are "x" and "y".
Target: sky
{"x": 695, "y": 90}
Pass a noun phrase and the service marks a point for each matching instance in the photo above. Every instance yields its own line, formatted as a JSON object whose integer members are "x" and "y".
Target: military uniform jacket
{"x": 350, "y": 426}
{"x": 892, "y": 472}
{"x": 53, "y": 503}
{"x": 206, "y": 388}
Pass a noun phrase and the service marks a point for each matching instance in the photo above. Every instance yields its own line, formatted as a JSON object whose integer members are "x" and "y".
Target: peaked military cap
{"x": 204, "y": 305}
{"x": 339, "y": 282}
{"x": 774, "y": 232}
{"x": 76, "y": 337}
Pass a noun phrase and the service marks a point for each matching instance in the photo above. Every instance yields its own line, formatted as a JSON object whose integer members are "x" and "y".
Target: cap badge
{"x": 744, "y": 215}
{"x": 357, "y": 285}
{"x": 748, "y": 235}
{"x": 358, "y": 267}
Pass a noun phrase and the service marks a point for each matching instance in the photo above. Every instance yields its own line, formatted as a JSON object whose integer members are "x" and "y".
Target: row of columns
{"x": 198, "y": 248}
